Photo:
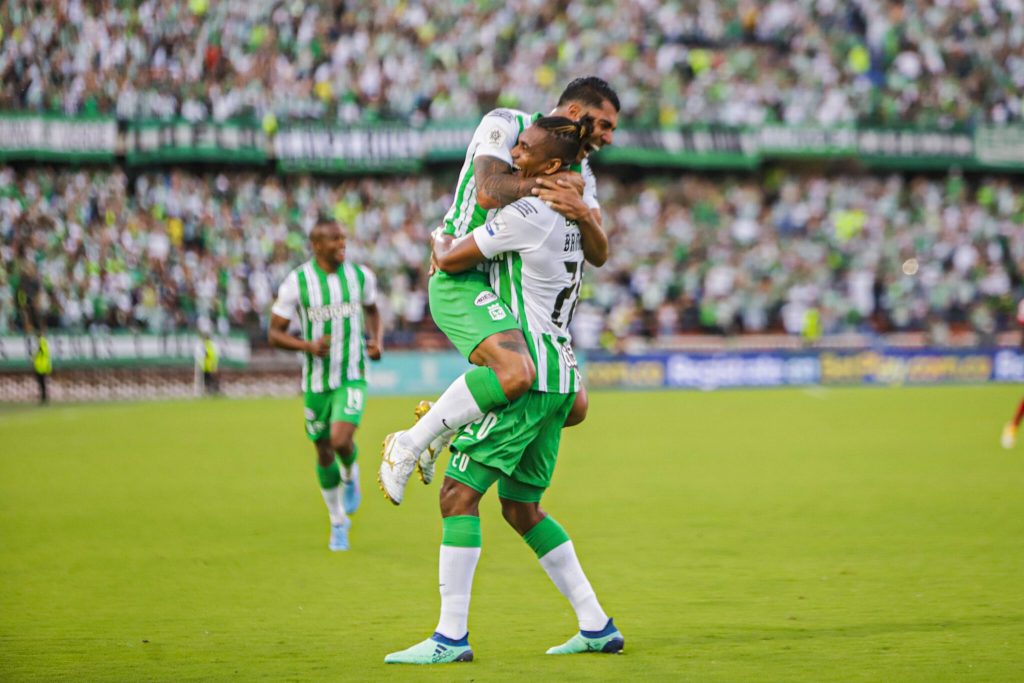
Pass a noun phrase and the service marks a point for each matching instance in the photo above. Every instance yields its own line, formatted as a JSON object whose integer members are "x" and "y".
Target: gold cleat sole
{"x": 422, "y": 408}
{"x": 380, "y": 484}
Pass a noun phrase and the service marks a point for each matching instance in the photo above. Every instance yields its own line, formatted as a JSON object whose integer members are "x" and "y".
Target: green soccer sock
{"x": 329, "y": 476}
{"x": 330, "y": 487}
{"x": 468, "y": 398}
{"x": 545, "y": 536}
{"x": 461, "y": 531}
{"x": 347, "y": 460}
{"x": 483, "y": 384}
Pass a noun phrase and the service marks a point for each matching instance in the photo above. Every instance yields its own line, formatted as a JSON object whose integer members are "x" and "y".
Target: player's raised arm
{"x": 514, "y": 228}
{"x": 595, "y": 240}
{"x": 497, "y": 183}
{"x": 564, "y": 199}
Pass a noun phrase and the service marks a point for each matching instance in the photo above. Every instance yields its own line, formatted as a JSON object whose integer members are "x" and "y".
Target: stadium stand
{"x": 173, "y": 250}
{"x": 735, "y": 62}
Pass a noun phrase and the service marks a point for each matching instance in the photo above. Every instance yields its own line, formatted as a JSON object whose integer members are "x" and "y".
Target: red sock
{"x": 1020, "y": 414}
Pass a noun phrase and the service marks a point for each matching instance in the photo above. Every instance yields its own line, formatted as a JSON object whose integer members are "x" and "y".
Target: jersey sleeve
{"x": 520, "y": 226}
{"x": 497, "y": 135}
{"x": 369, "y": 286}
{"x": 589, "y": 186}
{"x": 287, "y": 297}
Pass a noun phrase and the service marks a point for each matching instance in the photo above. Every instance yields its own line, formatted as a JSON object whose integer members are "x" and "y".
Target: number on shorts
{"x": 486, "y": 424}
{"x": 460, "y": 461}
{"x": 355, "y": 399}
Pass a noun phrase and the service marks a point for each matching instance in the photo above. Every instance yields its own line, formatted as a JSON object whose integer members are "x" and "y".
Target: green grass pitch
{"x": 789, "y": 535}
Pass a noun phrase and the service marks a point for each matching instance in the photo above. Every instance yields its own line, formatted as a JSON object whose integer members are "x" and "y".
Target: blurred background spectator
{"x": 737, "y": 62}
{"x": 801, "y": 250}
{"x": 720, "y": 254}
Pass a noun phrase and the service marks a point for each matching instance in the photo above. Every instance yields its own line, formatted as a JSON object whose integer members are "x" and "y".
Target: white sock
{"x": 455, "y": 408}
{"x": 334, "y": 507}
{"x": 565, "y": 571}
{"x": 349, "y": 473}
{"x": 455, "y": 575}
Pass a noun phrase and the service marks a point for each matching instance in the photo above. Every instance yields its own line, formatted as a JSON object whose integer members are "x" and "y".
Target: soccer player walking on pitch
{"x": 536, "y": 267}
{"x": 1009, "y": 436}
{"x": 1008, "y": 439}
{"x": 464, "y": 305}
{"x": 331, "y": 297}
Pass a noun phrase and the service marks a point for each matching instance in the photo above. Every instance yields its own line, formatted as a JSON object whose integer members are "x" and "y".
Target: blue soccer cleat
{"x": 352, "y": 493}
{"x": 436, "y": 649}
{"x": 608, "y": 640}
{"x": 339, "y": 536}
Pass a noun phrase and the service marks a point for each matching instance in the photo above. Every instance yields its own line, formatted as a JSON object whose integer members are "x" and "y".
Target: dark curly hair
{"x": 566, "y": 137}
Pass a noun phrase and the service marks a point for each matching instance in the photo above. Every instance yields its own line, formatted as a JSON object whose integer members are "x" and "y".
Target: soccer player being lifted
{"x": 331, "y": 298}
{"x": 465, "y": 306}
{"x": 536, "y": 267}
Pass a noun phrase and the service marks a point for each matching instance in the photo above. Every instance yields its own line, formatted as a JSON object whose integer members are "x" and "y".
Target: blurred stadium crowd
{"x": 780, "y": 251}
{"x": 736, "y": 62}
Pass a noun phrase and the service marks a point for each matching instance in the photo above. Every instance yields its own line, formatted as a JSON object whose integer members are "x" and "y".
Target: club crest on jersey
{"x": 497, "y": 312}
{"x": 496, "y": 138}
{"x": 484, "y": 298}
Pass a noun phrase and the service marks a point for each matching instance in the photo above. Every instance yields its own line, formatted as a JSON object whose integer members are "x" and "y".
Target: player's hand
{"x": 321, "y": 347}
{"x": 437, "y": 237}
{"x": 563, "y": 198}
{"x": 373, "y": 350}
{"x": 564, "y": 179}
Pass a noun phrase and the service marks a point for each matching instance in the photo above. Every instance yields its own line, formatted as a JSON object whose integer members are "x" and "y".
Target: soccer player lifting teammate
{"x": 465, "y": 306}
{"x": 331, "y": 297}
{"x": 537, "y": 271}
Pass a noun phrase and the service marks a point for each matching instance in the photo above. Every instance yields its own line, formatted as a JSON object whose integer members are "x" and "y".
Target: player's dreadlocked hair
{"x": 591, "y": 91}
{"x": 566, "y": 136}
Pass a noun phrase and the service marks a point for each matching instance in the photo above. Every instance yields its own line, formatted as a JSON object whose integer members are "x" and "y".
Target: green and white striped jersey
{"x": 496, "y": 135}
{"x": 329, "y": 304}
{"x": 536, "y": 268}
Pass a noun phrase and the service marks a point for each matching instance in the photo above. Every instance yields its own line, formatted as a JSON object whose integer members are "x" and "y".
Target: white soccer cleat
{"x": 1009, "y": 437}
{"x": 396, "y": 466}
{"x": 427, "y": 460}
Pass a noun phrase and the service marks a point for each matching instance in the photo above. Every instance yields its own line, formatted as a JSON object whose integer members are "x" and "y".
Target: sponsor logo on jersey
{"x": 492, "y": 227}
{"x": 496, "y": 138}
{"x": 497, "y": 312}
{"x": 524, "y": 207}
{"x": 319, "y": 314}
{"x": 310, "y": 415}
{"x": 484, "y": 298}
{"x": 504, "y": 114}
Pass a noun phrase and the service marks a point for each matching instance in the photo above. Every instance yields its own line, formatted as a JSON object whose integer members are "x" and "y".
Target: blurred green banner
{"x": 400, "y": 148}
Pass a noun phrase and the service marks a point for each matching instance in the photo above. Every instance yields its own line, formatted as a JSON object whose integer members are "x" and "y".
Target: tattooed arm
{"x": 497, "y": 185}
